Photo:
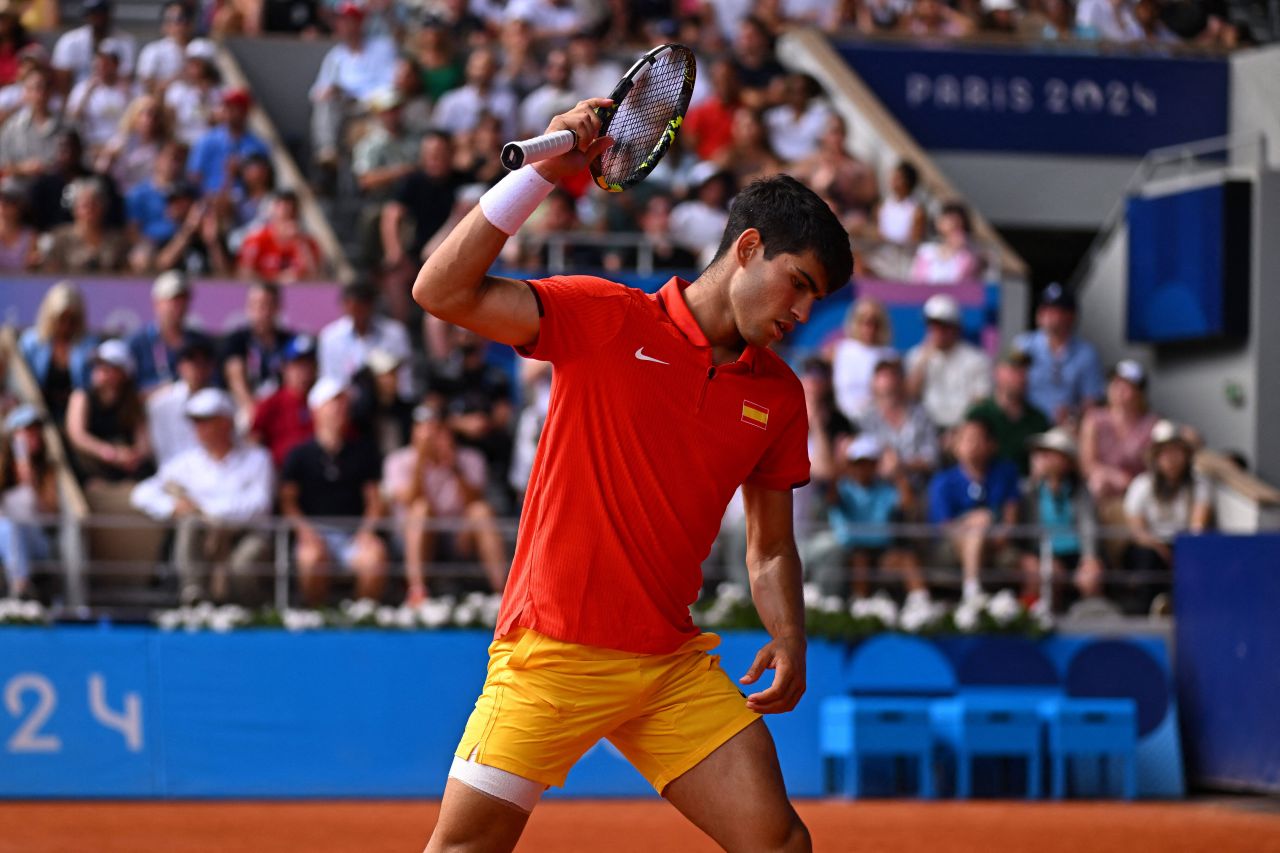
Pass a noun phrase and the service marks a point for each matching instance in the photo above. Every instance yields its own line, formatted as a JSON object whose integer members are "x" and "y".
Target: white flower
{"x": 812, "y": 595}
{"x": 384, "y": 616}
{"x": 169, "y": 620}
{"x": 9, "y": 607}
{"x": 435, "y": 612}
{"x": 831, "y": 604}
{"x": 404, "y": 617}
{"x": 301, "y": 620}
{"x": 1042, "y": 614}
{"x": 466, "y": 613}
{"x": 918, "y": 614}
{"x": 490, "y": 608}
{"x": 31, "y": 610}
{"x": 362, "y": 610}
{"x": 1004, "y": 607}
{"x": 732, "y": 593}
{"x": 222, "y": 622}
{"x": 966, "y": 616}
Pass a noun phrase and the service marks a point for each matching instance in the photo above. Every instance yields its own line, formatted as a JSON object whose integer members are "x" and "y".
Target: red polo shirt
{"x": 644, "y": 445}
{"x": 281, "y": 422}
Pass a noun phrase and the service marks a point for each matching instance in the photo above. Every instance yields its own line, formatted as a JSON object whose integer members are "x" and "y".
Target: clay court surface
{"x": 632, "y": 827}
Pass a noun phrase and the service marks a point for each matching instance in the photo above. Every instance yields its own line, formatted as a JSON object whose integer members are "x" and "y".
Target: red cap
{"x": 237, "y": 96}
{"x": 349, "y": 10}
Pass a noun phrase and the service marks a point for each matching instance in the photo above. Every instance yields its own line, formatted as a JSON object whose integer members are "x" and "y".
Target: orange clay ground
{"x": 626, "y": 826}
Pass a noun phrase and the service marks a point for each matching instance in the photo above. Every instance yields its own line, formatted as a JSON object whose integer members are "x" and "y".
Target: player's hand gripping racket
{"x": 648, "y": 108}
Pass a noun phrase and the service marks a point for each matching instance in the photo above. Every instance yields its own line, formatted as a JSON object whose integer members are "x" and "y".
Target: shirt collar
{"x": 671, "y": 298}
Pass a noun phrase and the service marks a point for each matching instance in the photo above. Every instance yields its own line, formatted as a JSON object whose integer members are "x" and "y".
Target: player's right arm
{"x": 454, "y": 284}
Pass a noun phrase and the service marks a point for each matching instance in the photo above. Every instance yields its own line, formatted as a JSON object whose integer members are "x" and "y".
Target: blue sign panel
{"x": 972, "y": 100}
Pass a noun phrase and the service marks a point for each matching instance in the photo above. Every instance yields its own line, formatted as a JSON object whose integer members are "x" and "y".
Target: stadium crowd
{"x": 381, "y": 446}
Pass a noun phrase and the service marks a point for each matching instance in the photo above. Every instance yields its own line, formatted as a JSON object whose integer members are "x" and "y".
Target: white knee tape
{"x": 509, "y": 203}
{"x": 503, "y": 785}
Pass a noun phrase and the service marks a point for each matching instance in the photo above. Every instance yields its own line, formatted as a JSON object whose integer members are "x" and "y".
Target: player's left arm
{"x": 776, "y": 577}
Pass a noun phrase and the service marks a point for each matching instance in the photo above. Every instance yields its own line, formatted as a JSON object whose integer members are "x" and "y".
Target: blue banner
{"x": 952, "y": 98}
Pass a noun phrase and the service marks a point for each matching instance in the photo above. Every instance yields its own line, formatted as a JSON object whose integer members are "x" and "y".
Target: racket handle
{"x": 544, "y": 147}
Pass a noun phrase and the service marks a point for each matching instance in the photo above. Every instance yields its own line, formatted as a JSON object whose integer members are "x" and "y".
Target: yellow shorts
{"x": 546, "y": 702}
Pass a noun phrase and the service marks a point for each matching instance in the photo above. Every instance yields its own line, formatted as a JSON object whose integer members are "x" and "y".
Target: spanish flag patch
{"x": 754, "y": 414}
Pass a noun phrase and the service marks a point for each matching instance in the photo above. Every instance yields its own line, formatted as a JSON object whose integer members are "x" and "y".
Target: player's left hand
{"x": 786, "y": 656}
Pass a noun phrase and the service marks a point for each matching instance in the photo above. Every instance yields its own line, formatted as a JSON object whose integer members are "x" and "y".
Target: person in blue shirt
{"x": 155, "y": 347}
{"x": 1065, "y": 376}
{"x": 863, "y": 498}
{"x": 216, "y": 156}
{"x": 146, "y": 205}
{"x": 1056, "y": 499}
{"x": 974, "y": 499}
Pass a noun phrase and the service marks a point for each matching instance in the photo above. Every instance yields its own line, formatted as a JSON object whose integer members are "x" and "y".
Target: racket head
{"x": 648, "y": 109}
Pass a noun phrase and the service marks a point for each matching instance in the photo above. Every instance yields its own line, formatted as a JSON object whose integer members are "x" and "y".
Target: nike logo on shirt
{"x": 640, "y": 355}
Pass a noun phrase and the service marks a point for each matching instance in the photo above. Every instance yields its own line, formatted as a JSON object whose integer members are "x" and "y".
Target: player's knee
{"x": 795, "y": 838}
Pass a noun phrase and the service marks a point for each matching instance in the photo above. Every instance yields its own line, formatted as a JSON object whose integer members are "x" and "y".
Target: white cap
{"x": 169, "y": 284}
{"x": 1131, "y": 371}
{"x": 1055, "y": 439}
{"x": 864, "y": 447}
{"x": 999, "y": 5}
{"x": 941, "y": 308}
{"x": 325, "y": 389}
{"x": 21, "y": 417}
{"x": 201, "y": 49}
{"x": 1166, "y": 431}
{"x": 210, "y": 403}
{"x": 382, "y": 361}
{"x": 112, "y": 46}
{"x": 116, "y": 353}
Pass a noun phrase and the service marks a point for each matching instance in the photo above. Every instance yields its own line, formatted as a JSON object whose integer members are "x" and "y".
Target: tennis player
{"x": 661, "y": 407}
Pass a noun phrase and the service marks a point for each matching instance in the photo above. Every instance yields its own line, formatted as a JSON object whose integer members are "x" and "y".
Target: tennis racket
{"x": 648, "y": 108}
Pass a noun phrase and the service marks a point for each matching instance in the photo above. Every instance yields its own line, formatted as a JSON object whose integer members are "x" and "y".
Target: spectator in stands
{"x": 973, "y": 499}
{"x": 377, "y": 410}
{"x": 1115, "y": 439}
{"x": 553, "y": 19}
{"x": 26, "y": 139}
{"x": 758, "y": 69}
{"x": 147, "y": 204}
{"x": 708, "y": 125}
{"x": 415, "y": 109}
{"x": 829, "y": 434}
{"x": 352, "y": 71}
{"x": 881, "y": 16}
{"x": 748, "y": 155}
{"x": 198, "y": 245}
{"x": 520, "y": 66}
{"x": 345, "y": 344}
{"x": 909, "y": 438}
{"x": 161, "y": 61}
{"x": 901, "y": 218}
{"x": 1147, "y": 15}
{"x": 249, "y": 206}
{"x": 867, "y": 337}
{"x": 195, "y": 98}
{"x": 861, "y": 498}
{"x": 796, "y": 124}
{"x": 594, "y": 76}
{"x": 28, "y": 490}
{"x": 1000, "y": 16}
{"x": 1169, "y": 498}
{"x": 172, "y": 433}
{"x": 215, "y": 490}
{"x": 833, "y": 173}
{"x": 946, "y": 373}
{"x": 1057, "y": 500}
{"x": 1065, "y": 376}
{"x": 433, "y": 482}
{"x": 58, "y": 349}
{"x": 388, "y": 151}
{"x": 107, "y": 422}
{"x": 13, "y": 38}
{"x": 154, "y": 348}
{"x": 459, "y": 109}
{"x": 1012, "y": 418}
{"x": 556, "y": 217}
{"x": 553, "y": 97}
{"x": 97, "y": 103}
{"x": 951, "y": 258}
{"x": 89, "y": 243}
{"x": 1054, "y": 20}
{"x": 18, "y": 250}
{"x": 253, "y": 354}
{"x": 74, "y": 52}
{"x": 477, "y": 153}
{"x": 655, "y": 226}
{"x": 329, "y": 477}
{"x": 131, "y": 154}
{"x": 216, "y": 156}
{"x": 698, "y": 222}
{"x": 425, "y": 196}
{"x": 1108, "y": 20}
{"x": 935, "y": 18}
{"x": 281, "y": 250}
{"x": 33, "y": 57}
{"x": 49, "y": 193}
{"x": 435, "y": 59}
{"x": 282, "y": 421}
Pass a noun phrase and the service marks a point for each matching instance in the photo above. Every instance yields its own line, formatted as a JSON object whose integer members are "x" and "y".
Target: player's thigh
{"x": 736, "y": 795}
{"x": 472, "y": 821}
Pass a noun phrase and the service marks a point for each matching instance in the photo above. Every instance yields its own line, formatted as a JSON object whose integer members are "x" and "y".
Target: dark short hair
{"x": 910, "y": 174}
{"x": 360, "y": 291}
{"x": 959, "y": 210}
{"x": 983, "y": 423}
{"x": 792, "y": 219}
{"x": 270, "y": 288}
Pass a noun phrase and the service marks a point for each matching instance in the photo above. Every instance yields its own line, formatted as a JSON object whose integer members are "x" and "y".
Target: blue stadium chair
{"x": 989, "y": 725}
{"x": 1104, "y": 729}
{"x": 854, "y": 728}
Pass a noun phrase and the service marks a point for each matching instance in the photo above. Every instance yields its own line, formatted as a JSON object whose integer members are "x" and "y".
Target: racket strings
{"x": 642, "y": 117}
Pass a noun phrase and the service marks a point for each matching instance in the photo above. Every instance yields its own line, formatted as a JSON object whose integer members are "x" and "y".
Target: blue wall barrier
{"x": 954, "y": 98}
{"x": 132, "y": 712}
{"x": 1227, "y": 597}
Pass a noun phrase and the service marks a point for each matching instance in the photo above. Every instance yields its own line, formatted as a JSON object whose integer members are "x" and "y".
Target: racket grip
{"x": 544, "y": 147}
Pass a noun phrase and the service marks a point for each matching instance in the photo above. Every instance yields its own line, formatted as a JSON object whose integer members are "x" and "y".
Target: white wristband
{"x": 509, "y": 203}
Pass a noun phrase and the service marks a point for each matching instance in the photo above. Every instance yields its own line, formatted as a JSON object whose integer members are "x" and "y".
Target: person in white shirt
{"x": 459, "y": 110}
{"x": 946, "y": 373}
{"x": 697, "y": 224}
{"x": 345, "y": 343}
{"x": 172, "y": 432}
{"x": 855, "y": 356}
{"x": 161, "y": 61}
{"x": 550, "y": 99}
{"x": 592, "y": 77}
{"x": 98, "y": 103}
{"x": 195, "y": 96}
{"x": 74, "y": 51}
{"x": 1109, "y": 20}
{"x": 215, "y": 492}
{"x": 549, "y": 19}
{"x": 352, "y": 71}
{"x": 796, "y": 124}
{"x": 951, "y": 258}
